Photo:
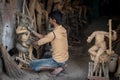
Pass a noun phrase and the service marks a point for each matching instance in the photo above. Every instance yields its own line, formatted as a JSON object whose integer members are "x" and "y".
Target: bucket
{"x": 113, "y": 63}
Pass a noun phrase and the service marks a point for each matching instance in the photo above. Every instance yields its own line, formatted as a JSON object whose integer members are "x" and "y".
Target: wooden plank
{"x": 97, "y": 78}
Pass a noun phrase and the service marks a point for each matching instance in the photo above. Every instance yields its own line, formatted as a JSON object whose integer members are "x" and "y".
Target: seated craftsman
{"x": 59, "y": 43}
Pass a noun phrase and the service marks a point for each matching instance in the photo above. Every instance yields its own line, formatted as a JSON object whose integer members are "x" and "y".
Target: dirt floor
{"x": 77, "y": 65}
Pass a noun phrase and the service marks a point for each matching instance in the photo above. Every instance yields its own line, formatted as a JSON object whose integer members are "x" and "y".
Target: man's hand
{"x": 35, "y": 44}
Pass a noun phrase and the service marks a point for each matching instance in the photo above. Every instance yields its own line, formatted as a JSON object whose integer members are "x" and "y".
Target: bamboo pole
{"x": 110, "y": 36}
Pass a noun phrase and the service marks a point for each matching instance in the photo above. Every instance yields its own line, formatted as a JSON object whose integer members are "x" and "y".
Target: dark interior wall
{"x": 100, "y": 7}
{"x": 115, "y": 7}
{"x": 103, "y": 7}
{"x": 109, "y": 7}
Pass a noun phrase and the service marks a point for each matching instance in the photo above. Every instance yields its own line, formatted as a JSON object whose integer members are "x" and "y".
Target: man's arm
{"x": 47, "y": 38}
{"x": 35, "y": 33}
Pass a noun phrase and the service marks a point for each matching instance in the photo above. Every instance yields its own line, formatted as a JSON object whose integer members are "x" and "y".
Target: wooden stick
{"x": 100, "y": 71}
{"x": 28, "y": 12}
{"x": 103, "y": 68}
{"x": 92, "y": 66}
{"x": 32, "y": 4}
{"x": 96, "y": 72}
{"x": 35, "y": 24}
{"x": 23, "y": 15}
{"x": 110, "y": 31}
{"x": 107, "y": 71}
{"x": 23, "y": 11}
{"x": 89, "y": 69}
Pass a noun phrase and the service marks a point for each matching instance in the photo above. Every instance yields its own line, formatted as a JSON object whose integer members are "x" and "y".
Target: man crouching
{"x": 59, "y": 43}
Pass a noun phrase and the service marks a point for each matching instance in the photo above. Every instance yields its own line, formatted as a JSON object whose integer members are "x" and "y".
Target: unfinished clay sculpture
{"x": 99, "y": 52}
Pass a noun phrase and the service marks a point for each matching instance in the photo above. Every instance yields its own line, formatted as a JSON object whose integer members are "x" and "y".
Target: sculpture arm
{"x": 20, "y": 30}
{"x": 106, "y": 34}
{"x": 91, "y": 37}
{"x": 114, "y": 36}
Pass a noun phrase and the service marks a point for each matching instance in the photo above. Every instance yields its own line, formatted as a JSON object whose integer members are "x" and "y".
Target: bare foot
{"x": 57, "y": 71}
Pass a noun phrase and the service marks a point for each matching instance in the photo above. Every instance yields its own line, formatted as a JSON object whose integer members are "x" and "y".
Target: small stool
{"x": 101, "y": 73}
